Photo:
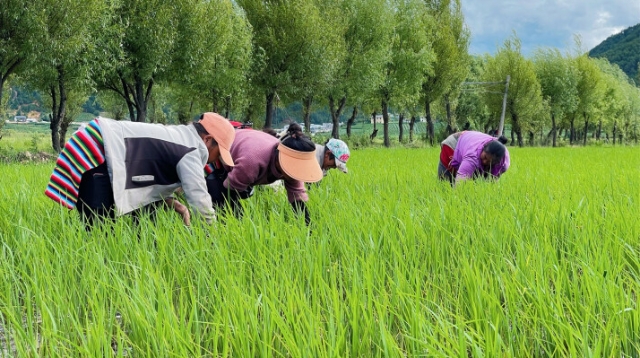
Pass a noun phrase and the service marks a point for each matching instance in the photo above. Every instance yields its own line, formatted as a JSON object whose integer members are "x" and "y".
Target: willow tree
{"x": 411, "y": 54}
{"x": 20, "y": 34}
{"x": 558, "y": 79}
{"x": 366, "y": 37}
{"x": 64, "y": 63}
{"x": 138, "y": 45}
{"x": 451, "y": 64}
{"x": 590, "y": 90}
{"x": 285, "y": 42}
{"x": 615, "y": 102}
{"x": 471, "y": 105}
{"x": 330, "y": 47}
{"x": 214, "y": 44}
{"x": 524, "y": 100}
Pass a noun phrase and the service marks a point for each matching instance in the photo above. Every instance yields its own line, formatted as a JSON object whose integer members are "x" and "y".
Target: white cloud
{"x": 546, "y": 23}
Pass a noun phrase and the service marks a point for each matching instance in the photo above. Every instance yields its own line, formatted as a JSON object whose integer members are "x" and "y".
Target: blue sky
{"x": 546, "y": 23}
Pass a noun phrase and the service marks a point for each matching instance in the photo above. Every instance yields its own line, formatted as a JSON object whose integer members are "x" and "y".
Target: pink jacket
{"x": 254, "y": 155}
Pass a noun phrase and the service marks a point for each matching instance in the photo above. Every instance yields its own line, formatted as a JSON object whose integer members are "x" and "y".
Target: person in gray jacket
{"x": 333, "y": 154}
{"x": 112, "y": 168}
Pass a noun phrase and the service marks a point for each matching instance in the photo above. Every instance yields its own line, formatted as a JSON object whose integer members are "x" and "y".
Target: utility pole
{"x": 504, "y": 106}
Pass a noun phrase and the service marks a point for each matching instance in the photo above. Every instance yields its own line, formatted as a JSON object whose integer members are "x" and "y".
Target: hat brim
{"x": 226, "y": 156}
{"x": 302, "y": 166}
{"x": 342, "y": 166}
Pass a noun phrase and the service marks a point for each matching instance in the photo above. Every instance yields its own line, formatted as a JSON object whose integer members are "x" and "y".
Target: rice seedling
{"x": 544, "y": 262}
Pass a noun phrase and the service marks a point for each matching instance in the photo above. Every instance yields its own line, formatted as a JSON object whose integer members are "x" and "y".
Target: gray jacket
{"x": 320, "y": 157}
{"x": 148, "y": 162}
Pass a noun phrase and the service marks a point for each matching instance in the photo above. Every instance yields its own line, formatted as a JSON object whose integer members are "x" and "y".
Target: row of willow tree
{"x": 148, "y": 57}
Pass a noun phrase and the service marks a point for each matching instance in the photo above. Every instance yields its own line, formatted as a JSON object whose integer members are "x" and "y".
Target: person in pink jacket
{"x": 469, "y": 154}
{"x": 261, "y": 159}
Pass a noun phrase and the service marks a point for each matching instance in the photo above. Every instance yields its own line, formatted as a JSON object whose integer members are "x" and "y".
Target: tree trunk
{"x": 586, "y": 126}
{"x": 430, "y": 130}
{"x": 531, "y": 138}
{"x": 515, "y": 126}
{"x": 1, "y": 106}
{"x": 352, "y": 120}
{"x": 599, "y": 131}
{"x": 572, "y": 131}
{"x": 59, "y": 112}
{"x": 141, "y": 97}
{"x": 400, "y": 129}
{"x": 373, "y": 115}
{"x": 336, "y": 111}
{"x": 615, "y": 131}
{"x": 154, "y": 109}
{"x": 553, "y": 129}
{"x": 64, "y": 126}
{"x": 126, "y": 94}
{"x": 227, "y": 107}
{"x": 451, "y": 126}
{"x": 385, "y": 121}
{"x": 214, "y": 100}
{"x": 412, "y": 123}
{"x": 268, "y": 120}
{"x": 10, "y": 69}
{"x": 307, "y": 102}
{"x": 53, "y": 120}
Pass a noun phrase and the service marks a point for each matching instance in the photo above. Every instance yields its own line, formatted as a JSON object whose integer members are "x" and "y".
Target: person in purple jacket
{"x": 469, "y": 155}
{"x": 261, "y": 159}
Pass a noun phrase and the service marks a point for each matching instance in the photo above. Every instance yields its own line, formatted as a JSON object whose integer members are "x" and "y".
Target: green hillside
{"x": 622, "y": 49}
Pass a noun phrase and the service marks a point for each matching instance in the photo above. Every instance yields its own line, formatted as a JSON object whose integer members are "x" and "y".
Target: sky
{"x": 546, "y": 23}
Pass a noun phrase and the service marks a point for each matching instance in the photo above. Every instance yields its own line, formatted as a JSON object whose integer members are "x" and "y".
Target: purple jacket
{"x": 254, "y": 155}
{"x": 466, "y": 156}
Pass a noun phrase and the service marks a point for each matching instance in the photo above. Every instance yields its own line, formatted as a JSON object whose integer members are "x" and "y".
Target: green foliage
{"x": 524, "y": 100}
{"x": 92, "y": 106}
{"x": 450, "y": 45}
{"x": 214, "y": 44}
{"x": 22, "y": 100}
{"x": 411, "y": 57}
{"x": 166, "y": 62}
{"x": 558, "y": 81}
{"x": 622, "y": 49}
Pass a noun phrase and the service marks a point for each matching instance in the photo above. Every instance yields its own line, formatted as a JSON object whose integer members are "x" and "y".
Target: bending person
{"x": 334, "y": 154}
{"x": 111, "y": 168}
{"x": 262, "y": 159}
{"x": 469, "y": 155}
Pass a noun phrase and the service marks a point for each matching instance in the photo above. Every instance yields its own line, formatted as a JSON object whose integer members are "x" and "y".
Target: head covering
{"x": 299, "y": 165}
{"x": 340, "y": 151}
{"x": 222, "y": 132}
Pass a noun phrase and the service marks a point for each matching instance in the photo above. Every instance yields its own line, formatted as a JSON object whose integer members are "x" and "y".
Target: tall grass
{"x": 544, "y": 262}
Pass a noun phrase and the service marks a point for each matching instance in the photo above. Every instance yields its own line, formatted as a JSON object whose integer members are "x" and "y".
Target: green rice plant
{"x": 543, "y": 262}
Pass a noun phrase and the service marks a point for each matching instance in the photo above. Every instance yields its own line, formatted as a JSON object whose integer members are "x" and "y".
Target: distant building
{"x": 20, "y": 119}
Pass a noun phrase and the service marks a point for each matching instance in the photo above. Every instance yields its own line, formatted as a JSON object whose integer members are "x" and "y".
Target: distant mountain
{"x": 622, "y": 49}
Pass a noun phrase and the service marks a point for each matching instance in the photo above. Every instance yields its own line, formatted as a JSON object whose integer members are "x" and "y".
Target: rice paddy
{"x": 544, "y": 262}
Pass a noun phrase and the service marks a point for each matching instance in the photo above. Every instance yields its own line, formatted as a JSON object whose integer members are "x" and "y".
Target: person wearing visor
{"x": 470, "y": 154}
{"x": 334, "y": 154}
{"x": 111, "y": 168}
{"x": 261, "y": 159}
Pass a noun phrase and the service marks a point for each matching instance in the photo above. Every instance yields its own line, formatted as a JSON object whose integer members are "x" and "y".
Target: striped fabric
{"x": 82, "y": 152}
{"x": 208, "y": 169}
{"x": 211, "y": 167}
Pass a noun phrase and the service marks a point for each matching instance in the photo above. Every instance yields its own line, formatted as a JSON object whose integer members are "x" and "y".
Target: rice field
{"x": 544, "y": 262}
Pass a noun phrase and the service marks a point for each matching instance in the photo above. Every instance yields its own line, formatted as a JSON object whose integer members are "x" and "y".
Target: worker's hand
{"x": 180, "y": 209}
